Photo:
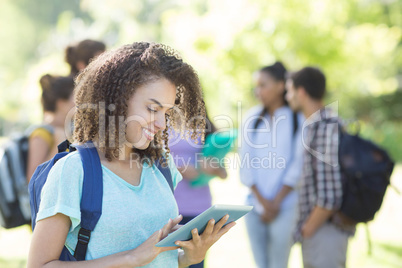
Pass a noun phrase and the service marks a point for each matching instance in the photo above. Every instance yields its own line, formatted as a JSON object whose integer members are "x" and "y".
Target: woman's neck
{"x": 53, "y": 119}
{"x": 125, "y": 159}
{"x": 272, "y": 108}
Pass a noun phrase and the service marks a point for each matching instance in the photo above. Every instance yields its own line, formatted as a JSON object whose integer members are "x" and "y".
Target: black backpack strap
{"x": 295, "y": 123}
{"x": 91, "y": 200}
{"x": 66, "y": 146}
{"x": 163, "y": 167}
{"x": 260, "y": 117}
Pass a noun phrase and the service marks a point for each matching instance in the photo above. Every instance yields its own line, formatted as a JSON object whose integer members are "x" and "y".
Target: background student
{"x": 193, "y": 200}
{"x": 324, "y": 240}
{"x": 79, "y": 55}
{"x": 271, "y": 138}
{"x": 57, "y": 101}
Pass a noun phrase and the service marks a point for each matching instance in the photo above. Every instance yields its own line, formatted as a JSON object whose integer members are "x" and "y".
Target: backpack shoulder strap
{"x": 259, "y": 118}
{"x": 165, "y": 170}
{"x": 295, "y": 123}
{"x": 92, "y": 194}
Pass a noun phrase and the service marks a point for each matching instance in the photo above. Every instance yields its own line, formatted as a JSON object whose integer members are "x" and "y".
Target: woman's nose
{"x": 160, "y": 122}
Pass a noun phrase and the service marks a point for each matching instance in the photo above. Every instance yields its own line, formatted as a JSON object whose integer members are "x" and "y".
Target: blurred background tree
{"x": 358, "y": 44}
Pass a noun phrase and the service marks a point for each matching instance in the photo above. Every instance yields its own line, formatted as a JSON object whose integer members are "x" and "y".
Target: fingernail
{"x": 170, "y": 221}
{"x": 179, "y": 216}
{"x": 212, "y": 221}
{"x": 195, "y": 231}
{"x": 177, "y": 244}
{"x": 226, "y": 217}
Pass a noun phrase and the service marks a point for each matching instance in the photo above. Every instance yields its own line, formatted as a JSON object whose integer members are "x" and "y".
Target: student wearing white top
{"x": 126, "y": 101}
{"x": 271, "y": 157}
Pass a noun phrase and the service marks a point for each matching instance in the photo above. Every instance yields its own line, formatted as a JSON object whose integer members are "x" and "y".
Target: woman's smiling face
{"x": 146, "y": 113}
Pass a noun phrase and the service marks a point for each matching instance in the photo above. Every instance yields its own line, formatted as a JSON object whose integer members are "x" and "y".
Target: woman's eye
{"x": 151, "y": 110}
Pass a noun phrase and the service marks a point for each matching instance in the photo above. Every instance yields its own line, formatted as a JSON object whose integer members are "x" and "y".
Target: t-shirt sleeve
{"x": 176, "y": 175}
{"x": 62, "y": 190}
{"x": 43, "y": 134}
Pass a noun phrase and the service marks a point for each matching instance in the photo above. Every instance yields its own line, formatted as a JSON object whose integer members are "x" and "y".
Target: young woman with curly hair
{"x": 126, "y": 100}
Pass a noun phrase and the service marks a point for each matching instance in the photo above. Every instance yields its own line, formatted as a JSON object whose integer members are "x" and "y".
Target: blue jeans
{"x": 271, "y": 242}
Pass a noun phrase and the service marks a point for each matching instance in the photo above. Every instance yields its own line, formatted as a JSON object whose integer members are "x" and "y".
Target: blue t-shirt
{"x": 130, "y": 214}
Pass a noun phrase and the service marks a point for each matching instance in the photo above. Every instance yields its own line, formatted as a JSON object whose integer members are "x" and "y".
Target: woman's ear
{"x": 281, "y": 86}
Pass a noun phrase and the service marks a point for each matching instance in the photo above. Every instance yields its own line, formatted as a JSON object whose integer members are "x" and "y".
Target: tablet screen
{"x": 200, "y": 222}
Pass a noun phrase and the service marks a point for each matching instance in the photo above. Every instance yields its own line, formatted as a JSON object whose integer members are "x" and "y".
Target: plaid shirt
{"x": 321, "y": 183}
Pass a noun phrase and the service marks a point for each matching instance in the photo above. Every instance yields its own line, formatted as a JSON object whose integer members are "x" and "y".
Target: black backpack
{"x": 366, "y": 171}
{"x": 14, "y": 198}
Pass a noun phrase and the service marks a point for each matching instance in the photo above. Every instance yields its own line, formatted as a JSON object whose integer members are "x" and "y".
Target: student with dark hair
{"x": 127, "y": 100}
{"x": 78, "y": 56}
{"x": 57, "y": 101}
{"x": 323, "y": 237}
{"x": 270, "y": 152}
{"x": 193, "y": 200}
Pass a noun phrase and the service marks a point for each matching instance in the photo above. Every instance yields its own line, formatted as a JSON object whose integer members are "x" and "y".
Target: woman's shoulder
{"x": 45, "y": 132}
{"x": 284, "y": 110}
{"x": 70, "y": 159}
{"x": 71, "y": 163}
{"x": 254, "y": 111}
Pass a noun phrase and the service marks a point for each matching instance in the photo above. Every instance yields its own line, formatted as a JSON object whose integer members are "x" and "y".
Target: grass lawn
{"x": 233, "y": 250}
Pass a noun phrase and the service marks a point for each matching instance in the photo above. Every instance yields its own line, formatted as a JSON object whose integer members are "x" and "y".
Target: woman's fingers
{"x": 175, "y": 228}
{"x": 226, "y": 228}
{"x": 166, "y": 228}
{"x": 163, "y": 249}
{"x": 177, "y": 220}
{"x": 220, "y": 223}
{"x": 196, "y": 236}
{"x": 210, "y": 227}
{"x": 169, "y": 226}
{"x": 184, "y": 244}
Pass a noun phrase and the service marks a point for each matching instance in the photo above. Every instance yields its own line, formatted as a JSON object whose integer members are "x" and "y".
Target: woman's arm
{"x": 50, "y": 235}
{"x": 191, "y": 172}
{"x": 37, "y": 154}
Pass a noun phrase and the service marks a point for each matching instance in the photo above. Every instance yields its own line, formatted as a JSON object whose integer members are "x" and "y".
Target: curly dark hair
{"x": 110, "y": 81}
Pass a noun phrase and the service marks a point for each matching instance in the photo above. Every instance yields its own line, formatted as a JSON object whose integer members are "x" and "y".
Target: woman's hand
{"x": 196, "y": 248}
{"x": 271, "y": 210}
{"x": 147, "y": 251}
{"x": 212, "y": 167}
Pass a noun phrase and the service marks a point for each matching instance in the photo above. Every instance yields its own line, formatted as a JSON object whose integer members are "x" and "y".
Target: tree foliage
{"x": 358, "y": 44}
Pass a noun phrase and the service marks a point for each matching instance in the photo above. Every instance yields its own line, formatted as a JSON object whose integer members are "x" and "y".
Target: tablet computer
{"x": 200, "y": 222}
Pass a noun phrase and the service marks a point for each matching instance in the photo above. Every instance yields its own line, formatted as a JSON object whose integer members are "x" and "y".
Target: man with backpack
{"x": 323, "y": 237}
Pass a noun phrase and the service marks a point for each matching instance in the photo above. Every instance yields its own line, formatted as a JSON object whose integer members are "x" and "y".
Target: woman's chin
{"x": 142, "y": 145}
